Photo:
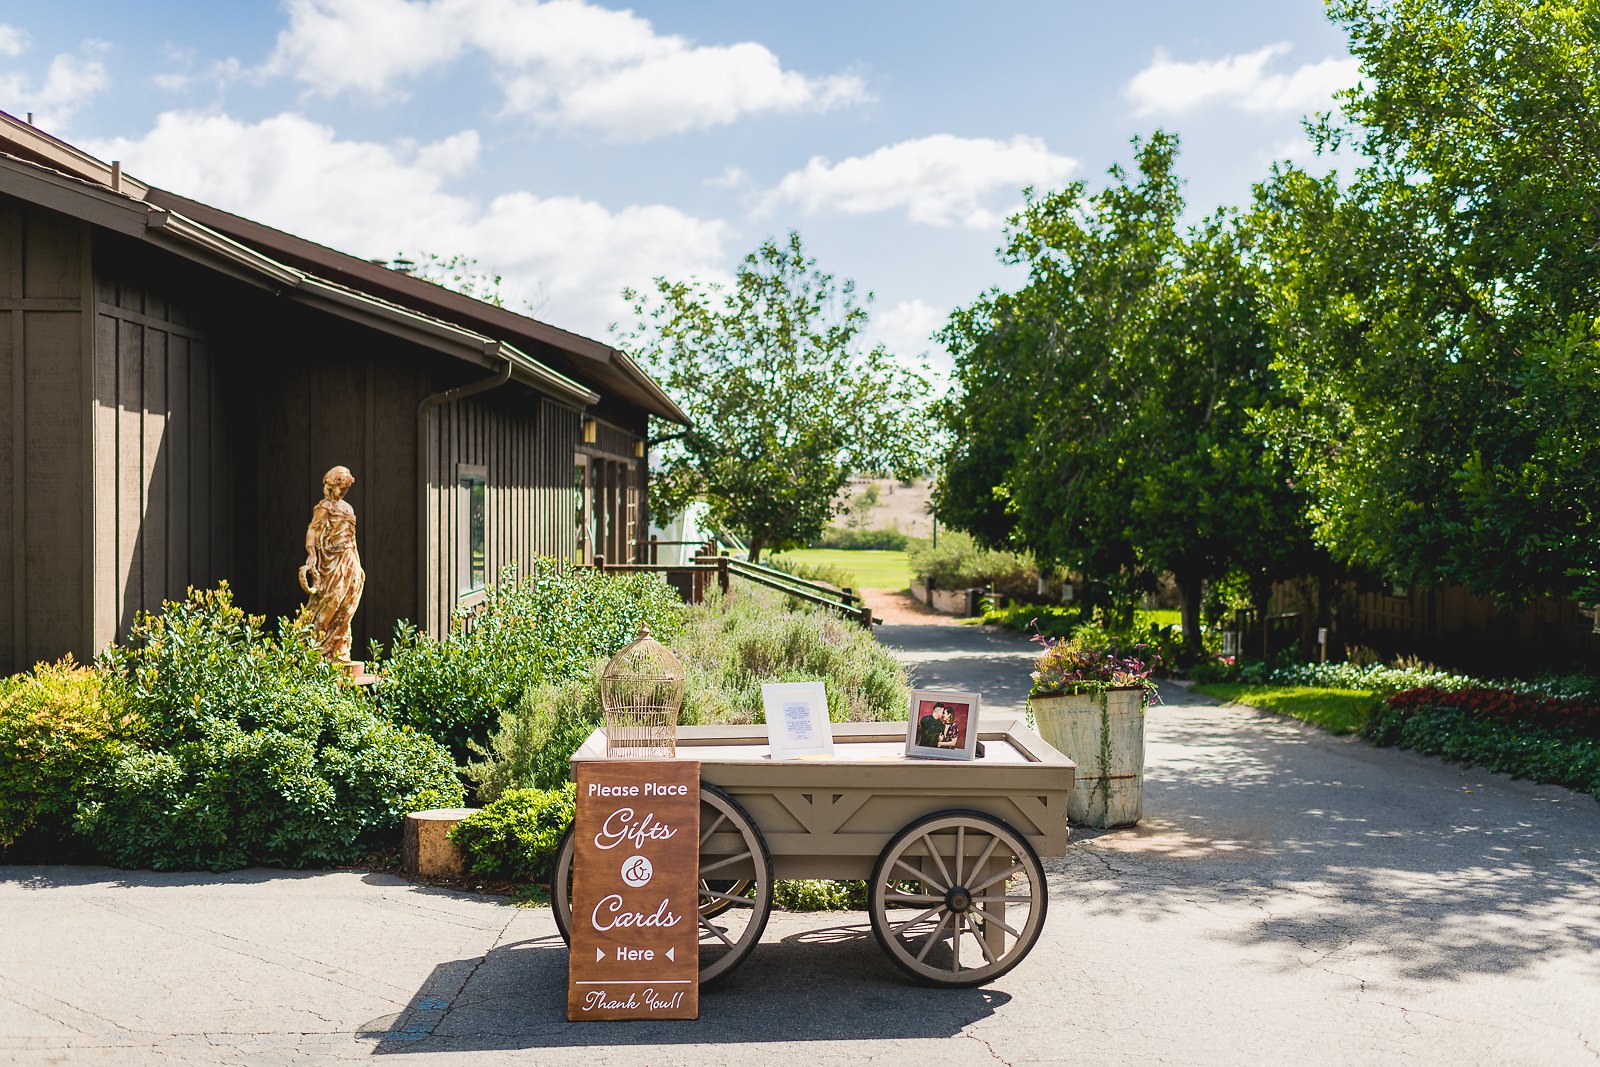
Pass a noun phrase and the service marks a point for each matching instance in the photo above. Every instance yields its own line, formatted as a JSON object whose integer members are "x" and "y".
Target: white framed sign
{"x": 797, "y": 720}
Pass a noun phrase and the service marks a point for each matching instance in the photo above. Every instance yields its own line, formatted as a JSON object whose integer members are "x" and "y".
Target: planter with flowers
{"x": 1089, "y": 703}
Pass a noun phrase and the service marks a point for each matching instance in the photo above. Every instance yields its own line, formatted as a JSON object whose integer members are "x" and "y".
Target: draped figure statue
{"x": 332, "y": 575}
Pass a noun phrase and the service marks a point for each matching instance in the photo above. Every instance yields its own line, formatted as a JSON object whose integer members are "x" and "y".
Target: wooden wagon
{"x": 950, "y": 850}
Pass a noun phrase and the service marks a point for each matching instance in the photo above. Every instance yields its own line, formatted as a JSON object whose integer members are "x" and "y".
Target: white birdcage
{"x": 641, "y": 690}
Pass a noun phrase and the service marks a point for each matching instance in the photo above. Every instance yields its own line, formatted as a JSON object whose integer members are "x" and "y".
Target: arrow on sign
{"x": 599, "y": 954}
{"x": 672, "y": 953}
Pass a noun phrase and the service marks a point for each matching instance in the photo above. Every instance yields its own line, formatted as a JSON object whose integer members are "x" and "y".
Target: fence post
{"x": 654, "y": 544}
{"x": 600, "y": 564}
{"x": 722, "y": 574}
{"x": 865, "y": 617}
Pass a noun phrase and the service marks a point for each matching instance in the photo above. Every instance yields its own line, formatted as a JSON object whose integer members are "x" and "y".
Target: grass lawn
{"x": 872, "y": 569}
{"x": 1338, "y": 711}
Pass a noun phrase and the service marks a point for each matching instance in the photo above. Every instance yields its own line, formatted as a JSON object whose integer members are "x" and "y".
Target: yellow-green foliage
{"x": 60, "y": 726}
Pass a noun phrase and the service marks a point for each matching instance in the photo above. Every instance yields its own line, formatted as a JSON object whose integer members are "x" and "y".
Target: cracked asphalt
{"x": 1289, "y": 897}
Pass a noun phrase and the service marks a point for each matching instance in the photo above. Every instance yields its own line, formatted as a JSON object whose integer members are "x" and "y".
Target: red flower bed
{"x": 1577, "y": 714}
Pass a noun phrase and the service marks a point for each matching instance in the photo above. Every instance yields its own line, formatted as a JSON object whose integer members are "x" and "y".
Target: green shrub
{"x": 729, "y": 646}
{"x": 808, "y": 895}
{"x": 61, "y": 728}
{"x": 957, "y": 562}
{"x": 856, "y": 540}
{"x": 515, "y": 838}
{"x": 253, "y": 750}
{"x": 533, "y": 743}
{"x": 548, "y": 625}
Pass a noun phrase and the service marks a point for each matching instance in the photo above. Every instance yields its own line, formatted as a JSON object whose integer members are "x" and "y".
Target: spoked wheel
{"x": 735, "y": 884}
{"x": 957, "y": 898}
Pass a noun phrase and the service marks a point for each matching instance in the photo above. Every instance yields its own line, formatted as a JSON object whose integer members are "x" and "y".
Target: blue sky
{"x": 576, "y": 147}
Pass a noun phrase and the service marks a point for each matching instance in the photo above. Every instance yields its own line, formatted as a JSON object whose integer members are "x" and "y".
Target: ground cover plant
{"x": 251, "y": 749}
{"x": 547, "y": 624}
{"x": 1526, "y": 735}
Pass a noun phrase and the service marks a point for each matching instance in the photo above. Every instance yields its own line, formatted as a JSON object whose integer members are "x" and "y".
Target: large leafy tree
{"x": 1105, "y": 418}
{"x": 786, "y": 399}
{"x": 1435, "y": 313}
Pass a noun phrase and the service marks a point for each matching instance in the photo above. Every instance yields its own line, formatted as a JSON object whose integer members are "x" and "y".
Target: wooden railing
{"x": 692, "y": 579}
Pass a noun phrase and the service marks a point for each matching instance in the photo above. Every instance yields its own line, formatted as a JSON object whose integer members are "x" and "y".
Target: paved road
{"x": 1289, "y": 898}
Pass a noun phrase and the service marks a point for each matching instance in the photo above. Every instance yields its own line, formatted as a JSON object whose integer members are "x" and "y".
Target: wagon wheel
{"x": 957, "y": 898}
{"x": 735, "y": 884}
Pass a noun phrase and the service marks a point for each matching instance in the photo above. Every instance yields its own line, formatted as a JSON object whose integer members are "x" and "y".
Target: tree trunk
{"x": 1191, "y": 587}
{"x": 756, "y": 545}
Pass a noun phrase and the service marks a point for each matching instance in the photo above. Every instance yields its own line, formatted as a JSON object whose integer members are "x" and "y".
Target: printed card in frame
{"x": 943, "y": 725}
{"x": 797, "y": 720}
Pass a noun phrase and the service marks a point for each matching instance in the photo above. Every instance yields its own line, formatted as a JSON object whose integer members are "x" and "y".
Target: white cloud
{"x": 220, "y": 73}
{"x": 564, "y": 62}
{"x": 69, "y": 83}
{"x": 730, "y": 178}
{"x": 1243, "y": 81}
{"x": 940, "y": 180}
{"x": 571, "y": 255}
{"x": 13, "y": 40}
{"x": 906, "y": 329}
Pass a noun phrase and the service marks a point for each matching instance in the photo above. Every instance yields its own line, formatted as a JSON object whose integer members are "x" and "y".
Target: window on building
{"x": 473, "y": 505}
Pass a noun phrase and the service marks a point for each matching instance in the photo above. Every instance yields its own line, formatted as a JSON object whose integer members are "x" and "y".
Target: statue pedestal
{"x": 357, "y": 670}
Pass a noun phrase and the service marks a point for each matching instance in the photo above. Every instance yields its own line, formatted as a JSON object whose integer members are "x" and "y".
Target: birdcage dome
{"x": 641, "y": 691}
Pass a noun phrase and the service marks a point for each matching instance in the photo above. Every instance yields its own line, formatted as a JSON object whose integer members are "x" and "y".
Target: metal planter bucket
{"x": 1103, "y": 733}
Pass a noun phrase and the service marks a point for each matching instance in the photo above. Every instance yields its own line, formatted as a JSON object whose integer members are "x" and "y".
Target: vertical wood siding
{"x": 322, "y": 395}
{"x": 527, "y": 444}
{"x": 42, "y": 443}
{"x": 162, "y": 501}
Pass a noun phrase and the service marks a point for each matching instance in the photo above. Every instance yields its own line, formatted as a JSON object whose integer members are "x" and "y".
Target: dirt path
{"x": 900, "y": 608}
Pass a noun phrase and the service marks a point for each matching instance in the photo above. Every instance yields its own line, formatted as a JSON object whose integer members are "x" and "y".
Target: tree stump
{"x": 426, "y": 852}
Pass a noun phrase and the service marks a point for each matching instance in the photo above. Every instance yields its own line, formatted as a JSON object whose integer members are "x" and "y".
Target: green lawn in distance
{"x": 1338, "y": 711}
{"x": 873, "y": 569}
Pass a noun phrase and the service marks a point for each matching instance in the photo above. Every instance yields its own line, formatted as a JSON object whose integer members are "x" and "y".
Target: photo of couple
{"x": 942, "y": 725}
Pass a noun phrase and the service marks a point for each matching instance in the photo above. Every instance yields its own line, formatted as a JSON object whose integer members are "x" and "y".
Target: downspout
{"x": 427, "y": 404}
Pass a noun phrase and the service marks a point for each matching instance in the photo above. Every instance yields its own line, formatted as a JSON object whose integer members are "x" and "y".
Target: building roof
{"x": 48, "y": 171}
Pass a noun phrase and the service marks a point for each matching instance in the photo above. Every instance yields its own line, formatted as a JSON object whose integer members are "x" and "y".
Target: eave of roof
{"x": 562, "y": 356}
{"x": 572, "y": 353}
{"x": 176, "y": 233}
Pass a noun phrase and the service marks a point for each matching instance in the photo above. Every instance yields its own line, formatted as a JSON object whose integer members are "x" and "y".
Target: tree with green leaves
{"x": 785, "y": 398}
{"x": 1435, "y": 313}
{"x": 1105, "y": 417}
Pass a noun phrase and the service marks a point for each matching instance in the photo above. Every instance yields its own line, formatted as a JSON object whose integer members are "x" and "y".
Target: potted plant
{"x": 1089, "y": 703}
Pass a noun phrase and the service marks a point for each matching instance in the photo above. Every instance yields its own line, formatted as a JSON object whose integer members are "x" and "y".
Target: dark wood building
{"x": 174, "y": 380}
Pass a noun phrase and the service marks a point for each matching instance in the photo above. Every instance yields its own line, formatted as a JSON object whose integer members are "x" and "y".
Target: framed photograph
{"x": 797, "y": 720}
{"x": 943, "y": 725}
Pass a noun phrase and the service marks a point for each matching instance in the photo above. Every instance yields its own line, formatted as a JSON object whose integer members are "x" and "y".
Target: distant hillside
{"x": 898, "y": 507}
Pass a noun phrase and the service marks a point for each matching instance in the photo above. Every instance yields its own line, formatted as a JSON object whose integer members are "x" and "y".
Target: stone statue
{"x": 332, "y": 574}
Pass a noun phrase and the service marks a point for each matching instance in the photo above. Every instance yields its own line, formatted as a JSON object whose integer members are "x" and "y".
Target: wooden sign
{"x": 636, "y": 891}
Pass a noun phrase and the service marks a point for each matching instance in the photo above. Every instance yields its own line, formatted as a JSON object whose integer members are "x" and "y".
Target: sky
{"x": 576, "y": 147}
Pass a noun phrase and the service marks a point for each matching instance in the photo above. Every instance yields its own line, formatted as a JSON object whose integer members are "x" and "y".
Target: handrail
{"x": 799, "y": 588}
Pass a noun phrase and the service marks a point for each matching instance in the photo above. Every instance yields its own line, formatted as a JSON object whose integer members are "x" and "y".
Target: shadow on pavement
{"x": 1350, "y": 850}
{"x": 827, "y": 984}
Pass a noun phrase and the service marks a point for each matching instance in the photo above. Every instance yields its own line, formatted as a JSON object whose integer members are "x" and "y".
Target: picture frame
{"x": 797, "y": 720}
{"x": 943, "y": 725}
